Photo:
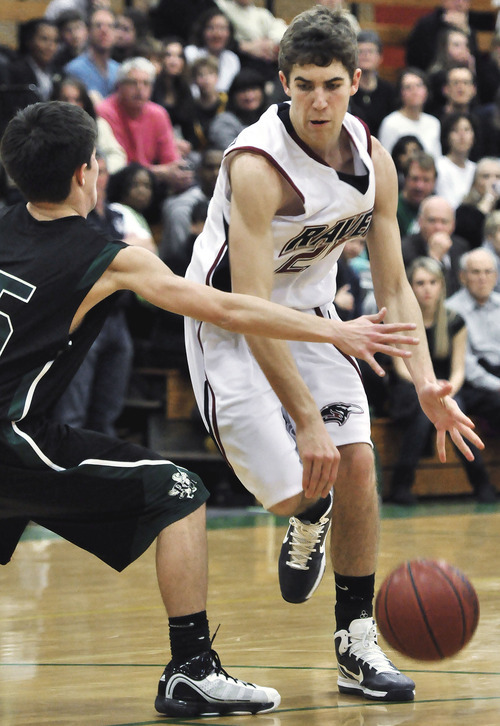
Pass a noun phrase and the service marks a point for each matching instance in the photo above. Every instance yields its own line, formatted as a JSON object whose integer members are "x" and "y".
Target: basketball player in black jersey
{"x": 111, "y": 498}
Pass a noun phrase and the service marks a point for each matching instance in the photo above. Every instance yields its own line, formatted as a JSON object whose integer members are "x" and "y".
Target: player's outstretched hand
{"x": 367, "y": 335}
{"x": 447, "y": 417}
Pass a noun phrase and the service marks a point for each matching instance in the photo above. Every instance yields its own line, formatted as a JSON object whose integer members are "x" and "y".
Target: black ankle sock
{"x": 315, "y": 511}
{"x": 354, "y": 599}
{"x": 189, "y": 636}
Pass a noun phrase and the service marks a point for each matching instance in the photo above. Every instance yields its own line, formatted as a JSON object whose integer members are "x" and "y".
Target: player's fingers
{"x": 374, "y": 365}
{"x": 460, "y": 443}
{"x": 441, "y": 445}
{"x": 471, "y": 435}
{"x": 391, "y": 328}
{"x": 394, "y": 352}
{"x": 310, "y": 482}
{"x": 377, "y": 317}
{"x": 396, "y": 340}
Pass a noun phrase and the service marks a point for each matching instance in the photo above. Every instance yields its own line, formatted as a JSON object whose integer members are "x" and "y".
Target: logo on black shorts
{"x": 184, "y": 487}
{"x": 339, "y": 412}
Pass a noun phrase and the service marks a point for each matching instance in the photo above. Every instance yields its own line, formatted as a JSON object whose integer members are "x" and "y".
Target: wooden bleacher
{"x": 170, "y": 431}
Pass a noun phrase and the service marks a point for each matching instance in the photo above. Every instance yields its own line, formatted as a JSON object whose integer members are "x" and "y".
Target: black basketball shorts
{"x": 109, "y": 497}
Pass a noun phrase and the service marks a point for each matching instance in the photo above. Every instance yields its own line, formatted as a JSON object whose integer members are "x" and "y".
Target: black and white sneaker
{"x": 302, "y": 557}
{"x": 365, "y": 669}
{"x": 201, "y": 687}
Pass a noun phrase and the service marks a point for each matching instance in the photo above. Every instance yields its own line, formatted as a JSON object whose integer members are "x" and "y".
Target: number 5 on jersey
{"x": 11, "y": 285}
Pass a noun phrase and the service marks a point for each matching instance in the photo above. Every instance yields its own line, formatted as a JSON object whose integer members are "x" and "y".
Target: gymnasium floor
{"x": 83, "y": 645}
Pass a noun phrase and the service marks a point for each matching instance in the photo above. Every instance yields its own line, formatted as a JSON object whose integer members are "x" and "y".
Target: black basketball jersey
{"x": 46, "y": 270}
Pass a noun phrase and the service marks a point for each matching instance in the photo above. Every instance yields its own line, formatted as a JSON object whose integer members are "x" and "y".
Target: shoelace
{"x": 365, "y": 647}
{"x": 219, "y": 670}
{"x": 303, "y": 539}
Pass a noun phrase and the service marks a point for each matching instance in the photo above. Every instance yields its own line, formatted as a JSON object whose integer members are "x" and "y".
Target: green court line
{"x": 255, "y": 516}
{"x": 437, "y": 671}
{"x": 311, "y": 709}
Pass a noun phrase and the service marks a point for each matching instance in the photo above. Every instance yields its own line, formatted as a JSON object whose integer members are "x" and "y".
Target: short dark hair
{"x": 42, "y": 147}
{"x": 318, "y": 37}
{"x": 422, "y": 159}
{"x": 26, "y": 32}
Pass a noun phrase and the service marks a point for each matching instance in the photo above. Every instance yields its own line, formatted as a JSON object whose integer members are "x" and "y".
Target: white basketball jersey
{"x": 336, "y": 207}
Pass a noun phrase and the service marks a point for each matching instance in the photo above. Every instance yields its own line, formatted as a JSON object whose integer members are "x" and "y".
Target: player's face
{"x": 320, "y": 97}
{"x": 427, "y": 288}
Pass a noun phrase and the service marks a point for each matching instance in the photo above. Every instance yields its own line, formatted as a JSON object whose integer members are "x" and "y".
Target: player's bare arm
{"x": 393, "y": 291}
{"x": 142, "y": 272}
{"x": 253, "y": 205}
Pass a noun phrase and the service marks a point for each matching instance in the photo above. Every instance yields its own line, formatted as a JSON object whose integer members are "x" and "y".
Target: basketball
{"x": 427, "y": 609}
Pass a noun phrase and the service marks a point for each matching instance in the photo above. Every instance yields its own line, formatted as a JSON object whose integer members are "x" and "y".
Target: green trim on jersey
{"x": 100, "y": 264}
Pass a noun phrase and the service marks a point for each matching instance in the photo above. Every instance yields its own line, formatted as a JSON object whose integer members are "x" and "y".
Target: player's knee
{"x": 288, "y": 507}
{"x": 357, "y": 468}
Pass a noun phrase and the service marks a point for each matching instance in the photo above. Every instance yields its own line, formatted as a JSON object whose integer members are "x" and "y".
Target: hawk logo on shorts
{"x": 184, "y": 487}
{"x": 339, "y": 412}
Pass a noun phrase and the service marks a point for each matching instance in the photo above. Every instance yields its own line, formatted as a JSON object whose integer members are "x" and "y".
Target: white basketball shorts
{"x": 246, "y": 418}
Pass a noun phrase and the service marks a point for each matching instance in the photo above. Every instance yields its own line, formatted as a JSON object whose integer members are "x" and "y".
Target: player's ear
{"x": 355, "y": 81}
{"x": 80, "y": 174}
{"x": 284, "y": 83}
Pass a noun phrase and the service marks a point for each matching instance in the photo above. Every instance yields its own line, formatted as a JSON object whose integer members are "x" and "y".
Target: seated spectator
{"x": 36, "y": 49}
{"x": 95, "y": 67}
{"x": 208, "y": 102}
{"x": 172, "y": 91}
{"x": 131, "y": 193}
{"x": 402, "y": 151}
{"x": 492, "y": 239}
{"x": 410, "y": 118}
{"x": 341, "y": 5}
{"x": 419, "y": 183}
{"x": 452, "y": 50}
{"x": 483, "y": 198}
{"x": 55, "y": 8}
{"x": 71, "y": 90}
{"x": 132, "y": 27}
{"x": 447, "y": 338}
{"x": 455, "y": 170}
{"x": 73, "y": 37}
{"x": 175, "y": 250}
{"x": 423, "y": 39}
{"x": 479, "y": 305}
{"x": 213, "y": 35}
{"x": 488, "y": 118}
{"x": 436, "y": 239}
{"x": 177, "y": 17}
{"x": 459, "y": 93}
{"x": 375, "y": 98}
{"x": 488, "y": 72}
{"x": 96, "y": 395}
{"x": 144, "y": 128}
{"x": 246, "y": 103}
{"x": 258, "y": 33}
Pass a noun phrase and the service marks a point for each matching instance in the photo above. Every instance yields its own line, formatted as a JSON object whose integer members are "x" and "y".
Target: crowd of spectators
{"x": 172, "y": 82}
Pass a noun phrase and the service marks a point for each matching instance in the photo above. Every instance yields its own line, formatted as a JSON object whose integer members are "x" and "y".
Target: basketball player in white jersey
{"x": 292, "y": 418}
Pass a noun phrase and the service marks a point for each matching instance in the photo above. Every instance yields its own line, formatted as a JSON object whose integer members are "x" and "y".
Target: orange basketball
{"x": 427, "y": 609}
